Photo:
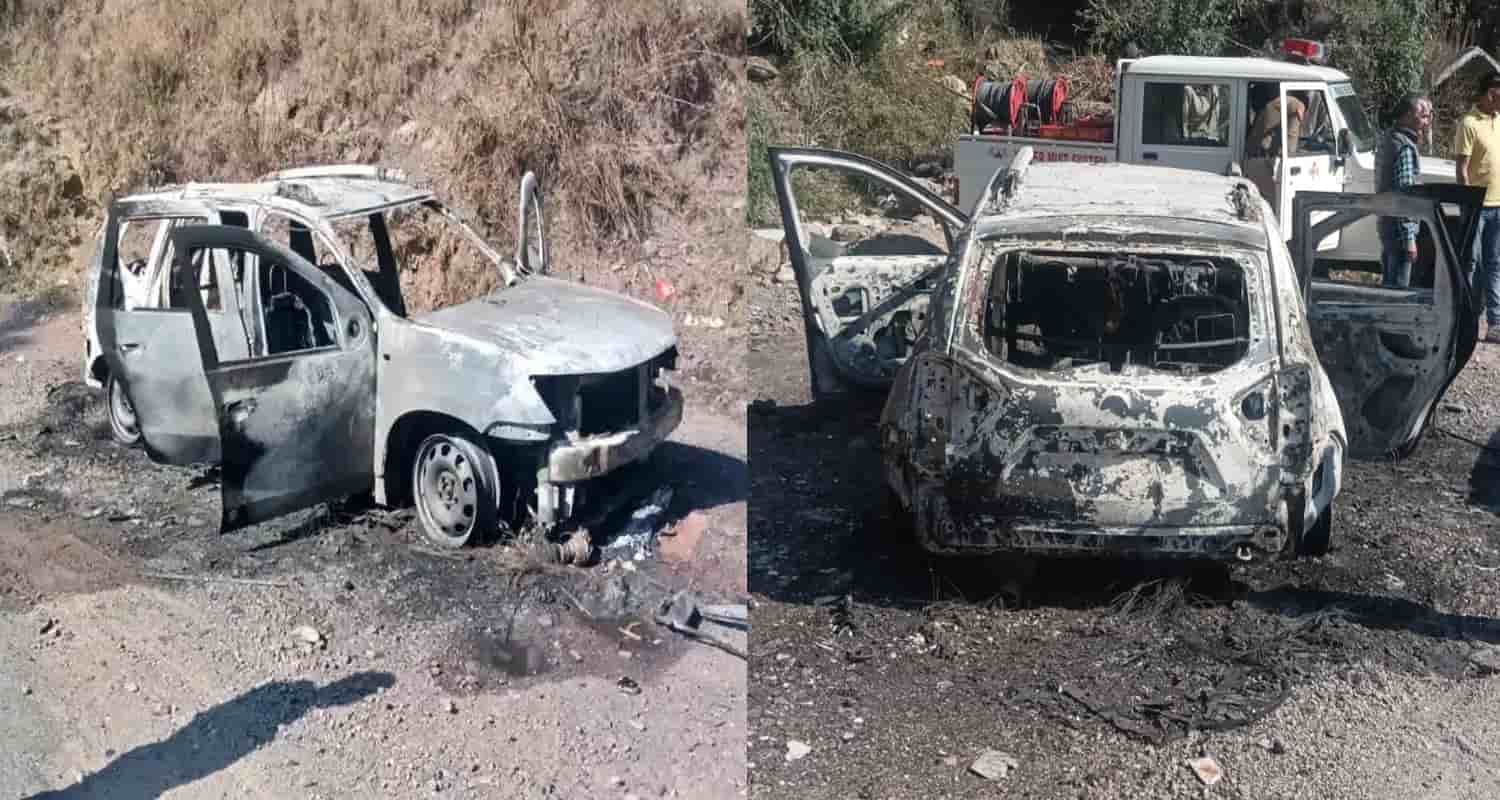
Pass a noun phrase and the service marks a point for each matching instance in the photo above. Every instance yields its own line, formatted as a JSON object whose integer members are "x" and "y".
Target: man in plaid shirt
{"x": 1398, "y": 165}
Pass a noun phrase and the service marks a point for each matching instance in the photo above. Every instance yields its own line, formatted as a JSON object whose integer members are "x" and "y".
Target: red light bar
{"x": 1306, "y": 49}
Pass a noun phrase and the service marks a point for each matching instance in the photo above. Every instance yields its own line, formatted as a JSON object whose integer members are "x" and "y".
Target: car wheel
{"x": 451, "y": 487}
{"x": 123, "y": 425}
{"x": 1317, "y": 540}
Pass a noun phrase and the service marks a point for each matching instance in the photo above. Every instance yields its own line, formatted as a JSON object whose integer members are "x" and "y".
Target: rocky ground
{"x": 878, "y": 673}
{"x": 333, "y": 654}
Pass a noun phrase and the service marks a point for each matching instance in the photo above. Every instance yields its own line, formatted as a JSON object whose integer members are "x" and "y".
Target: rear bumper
{"x": 586, "y": 459}
{"x": 1218, "y": 543}
{"x": 942, "y": 533}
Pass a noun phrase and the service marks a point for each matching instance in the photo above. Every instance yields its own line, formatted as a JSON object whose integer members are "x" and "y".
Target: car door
{"x": 1389, "y": 351}
{"x": 1311, "y": 163}
{"x": 864, "y": 299}
{"x": 148, "y": 344}
{"x": 296, "y": 423}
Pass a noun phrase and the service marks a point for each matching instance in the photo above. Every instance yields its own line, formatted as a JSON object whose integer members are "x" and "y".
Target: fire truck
{"x": 1224, "y": 115}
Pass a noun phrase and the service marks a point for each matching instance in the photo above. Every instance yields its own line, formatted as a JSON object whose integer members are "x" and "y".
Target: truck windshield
{"x": 1354, "y": 116}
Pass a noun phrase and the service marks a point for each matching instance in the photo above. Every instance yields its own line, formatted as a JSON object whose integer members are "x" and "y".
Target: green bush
{"x": 1382, "y": 45}
{"x": 850, "y": 30}
{"x": 1179, "y": 27}
{"x": 760, "y": 131}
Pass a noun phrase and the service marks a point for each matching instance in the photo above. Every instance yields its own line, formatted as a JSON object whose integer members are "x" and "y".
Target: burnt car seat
{"x": 289, "y": 323}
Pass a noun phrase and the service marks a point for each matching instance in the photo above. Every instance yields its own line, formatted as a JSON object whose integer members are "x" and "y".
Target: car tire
{"x": 454, "y": 486}
{"x": 1317, "y": 540}
{"x": 123, "y": 425}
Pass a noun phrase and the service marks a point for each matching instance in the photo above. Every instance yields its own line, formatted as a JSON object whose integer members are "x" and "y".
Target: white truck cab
{"x": 1201, "y": 113}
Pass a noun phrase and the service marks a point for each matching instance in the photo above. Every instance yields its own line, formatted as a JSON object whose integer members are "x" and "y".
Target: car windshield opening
{"x": 419, "y": 257}
{"x": 1176, "y": 313}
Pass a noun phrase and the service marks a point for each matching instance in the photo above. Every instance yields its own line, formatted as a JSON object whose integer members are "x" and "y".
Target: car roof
{"x": 1051, "y": 189}
{"x": 326, "y": 192}
{"x": 1266, "y": 69}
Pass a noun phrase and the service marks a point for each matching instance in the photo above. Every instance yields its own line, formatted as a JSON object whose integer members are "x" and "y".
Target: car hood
{"x": 557, "y": 327}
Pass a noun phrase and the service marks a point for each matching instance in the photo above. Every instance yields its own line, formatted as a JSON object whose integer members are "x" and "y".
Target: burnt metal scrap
{"x": 683, "y": 614}
{"x": 262, "y": 326}
{"x": 1124, "y": 359}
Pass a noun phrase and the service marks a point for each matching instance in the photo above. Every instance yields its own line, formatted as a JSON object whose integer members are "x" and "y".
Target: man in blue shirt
{"x": 1398, "y": 166}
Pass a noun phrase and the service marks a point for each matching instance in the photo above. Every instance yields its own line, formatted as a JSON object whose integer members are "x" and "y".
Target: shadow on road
{"x": 217, "y": 738}
{"x": 1484, "y": 480}
{"x": 1378, "y": 612}
{"x": 703, "y": 478}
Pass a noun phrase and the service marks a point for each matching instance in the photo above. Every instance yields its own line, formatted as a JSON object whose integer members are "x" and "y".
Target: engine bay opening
{"x": 1055, "y": 311}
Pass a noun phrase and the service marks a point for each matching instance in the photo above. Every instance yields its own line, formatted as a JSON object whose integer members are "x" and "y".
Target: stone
{"x": 957, "y": 85}
{"x": 760, "y": 70}
{"x": 994, "y": 765}
{"x": 307, "y": 634}
{"x": 784, "y": 275}
{"x": 796, "y": 751}
{"x": 1206, "y": 768}
{"x": 1487, "y": 659}
{"x": 848, "y": 233}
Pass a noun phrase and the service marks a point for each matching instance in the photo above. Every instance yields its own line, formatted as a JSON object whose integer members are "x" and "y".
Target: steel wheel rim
{"x": 121, "y": 412}
{"x": 447, "y": 490}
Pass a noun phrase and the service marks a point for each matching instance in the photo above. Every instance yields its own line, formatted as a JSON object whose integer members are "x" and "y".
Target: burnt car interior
{"x": 297, "y": 315}
{"x": 588, "y": 405}
{"x": 1055, "y": 310}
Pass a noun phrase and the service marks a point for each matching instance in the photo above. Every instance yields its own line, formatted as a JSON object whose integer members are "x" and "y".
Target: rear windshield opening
{"x": 1054, "y": 311}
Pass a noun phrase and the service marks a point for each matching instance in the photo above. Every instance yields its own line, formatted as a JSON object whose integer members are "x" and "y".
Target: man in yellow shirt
{"x": 1477, "y": 152}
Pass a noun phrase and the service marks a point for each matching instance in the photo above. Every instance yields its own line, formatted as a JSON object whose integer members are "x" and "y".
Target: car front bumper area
{"x": 573, "y": 461}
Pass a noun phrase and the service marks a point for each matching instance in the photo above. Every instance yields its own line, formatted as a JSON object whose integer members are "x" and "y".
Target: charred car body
{"x": 1125, "y": 359}
{"x": 262, "y": 327}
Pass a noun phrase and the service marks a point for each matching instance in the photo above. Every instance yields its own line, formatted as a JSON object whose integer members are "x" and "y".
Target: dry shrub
{"x": 1008, "y": 58}
{"x": 1091, "y": 83}
{"x": 1450, "y": 37}
{"x": 627, "y": 110}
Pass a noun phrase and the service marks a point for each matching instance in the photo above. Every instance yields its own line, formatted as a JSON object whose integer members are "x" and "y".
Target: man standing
{"x": 1263, "y": 146}
{"x": 1477, "y": 152}
{"x": 1398, "y": 164}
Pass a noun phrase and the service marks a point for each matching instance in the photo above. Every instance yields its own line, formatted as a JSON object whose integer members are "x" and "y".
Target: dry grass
{"x": 630, "y": 112}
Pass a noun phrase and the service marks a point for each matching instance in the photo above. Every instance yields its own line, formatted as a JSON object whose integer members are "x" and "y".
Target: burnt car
{"x": 1118, "y": 359}
{"x": 264, "y": 327}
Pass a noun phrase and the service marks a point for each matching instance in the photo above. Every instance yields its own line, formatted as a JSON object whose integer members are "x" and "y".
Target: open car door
{"x": 1310, "y": 162}
{"x": 864, "y": 287}
{"x": 1389, "y": 350}
{"x": 147, "y": 339}
{"x": 297, "y": 424}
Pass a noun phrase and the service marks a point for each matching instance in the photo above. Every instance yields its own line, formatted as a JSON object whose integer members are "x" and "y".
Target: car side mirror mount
{"x": 1343, "y": 146}
{"x": 531, "y": 229}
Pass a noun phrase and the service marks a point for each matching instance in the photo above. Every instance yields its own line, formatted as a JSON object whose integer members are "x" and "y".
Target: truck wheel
{"x": 1317, "y": 540}
{"x": 123, "y": 425}
{"x": 451, "y": 487}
